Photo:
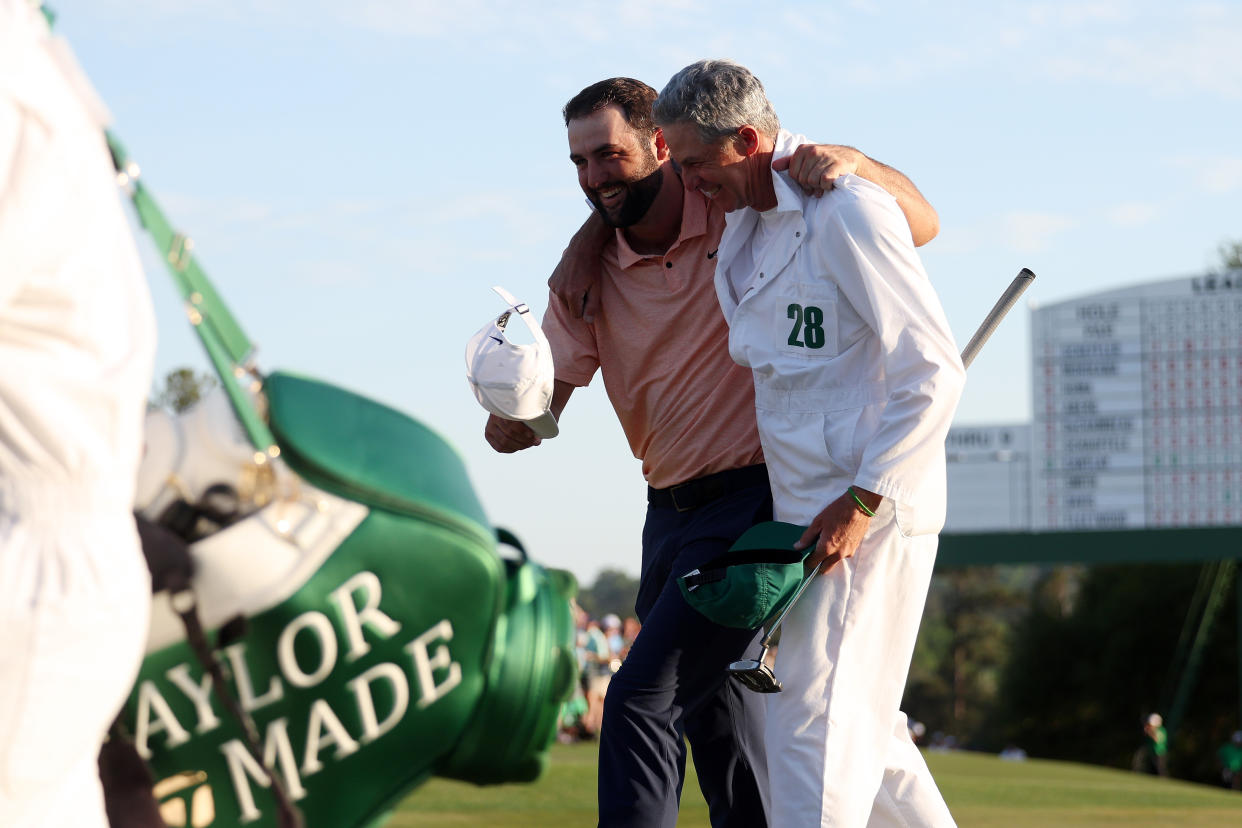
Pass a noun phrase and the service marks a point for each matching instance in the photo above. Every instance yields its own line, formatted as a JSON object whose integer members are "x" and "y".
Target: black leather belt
{"x": 703, "y": 490}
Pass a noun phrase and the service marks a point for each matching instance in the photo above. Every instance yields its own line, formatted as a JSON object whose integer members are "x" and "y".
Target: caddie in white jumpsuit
{"x": 856, "y": 380}
{"x": 77, "y": 340}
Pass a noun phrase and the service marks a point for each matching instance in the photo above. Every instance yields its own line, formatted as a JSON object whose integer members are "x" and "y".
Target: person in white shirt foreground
{"x": 856, "y": 380}
{"x": 77, "y": 342}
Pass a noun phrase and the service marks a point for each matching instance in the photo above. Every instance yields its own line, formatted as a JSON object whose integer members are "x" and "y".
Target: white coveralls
{"x": 77, "y": 339}
{"x": 856, "y": 380}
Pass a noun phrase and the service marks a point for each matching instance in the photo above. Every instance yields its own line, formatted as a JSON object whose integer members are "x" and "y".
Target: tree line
{"x": 1065, "y": 662}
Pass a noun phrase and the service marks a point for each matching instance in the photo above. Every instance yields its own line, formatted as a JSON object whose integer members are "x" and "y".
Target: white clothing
{"x": 837, "y": 743}
{"x": 887, "y": 369}
{"x": 77, "y": 339}
{"x": 74, "y": 612}
{"x": 856, "y": 380}
{"x": 745, "y": 265}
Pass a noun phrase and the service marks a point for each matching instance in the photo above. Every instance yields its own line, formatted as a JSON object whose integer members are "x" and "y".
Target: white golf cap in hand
{"x": 510, "y": 380}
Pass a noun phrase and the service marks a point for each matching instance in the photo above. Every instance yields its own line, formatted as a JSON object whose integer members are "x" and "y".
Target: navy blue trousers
{"x": 674, "y": 684}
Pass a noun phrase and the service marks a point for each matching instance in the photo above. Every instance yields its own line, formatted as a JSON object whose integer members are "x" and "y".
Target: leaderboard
{"x": 1137, "y": 397}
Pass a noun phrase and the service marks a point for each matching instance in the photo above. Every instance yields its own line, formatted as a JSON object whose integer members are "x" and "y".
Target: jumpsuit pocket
{"x": 807, "y": 320}
{"x": 814, "y": 440}
{"x": 861, "y": 424}
{"x": 841, "y": 438}
{"x": 827, "y": 427}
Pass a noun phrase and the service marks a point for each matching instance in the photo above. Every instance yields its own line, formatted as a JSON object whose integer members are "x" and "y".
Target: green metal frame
{"x": 1103, "y": 547}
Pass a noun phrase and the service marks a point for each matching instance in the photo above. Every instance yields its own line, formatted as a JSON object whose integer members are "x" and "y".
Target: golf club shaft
{"x": 1002, "y": 307}
{"x": 999, "y": 311}
{"x": 805, "y": 583}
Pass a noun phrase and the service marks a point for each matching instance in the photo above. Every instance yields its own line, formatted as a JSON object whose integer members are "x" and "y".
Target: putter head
{"x": 755, "y": 675}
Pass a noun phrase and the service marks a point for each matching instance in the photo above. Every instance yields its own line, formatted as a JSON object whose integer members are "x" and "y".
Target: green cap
{"x": 751, "y": 582}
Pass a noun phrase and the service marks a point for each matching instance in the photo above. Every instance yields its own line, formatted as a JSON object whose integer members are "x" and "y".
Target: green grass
{"x": 984, "y": 791}
{"x": 981, "y": 790}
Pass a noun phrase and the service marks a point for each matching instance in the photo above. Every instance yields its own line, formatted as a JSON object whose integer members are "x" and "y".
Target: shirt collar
{"x": 789, "y": 196}
{"x": 693, "y": 223}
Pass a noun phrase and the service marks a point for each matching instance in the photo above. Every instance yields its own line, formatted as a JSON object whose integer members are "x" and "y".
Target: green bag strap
{"x": 227, "y": 346}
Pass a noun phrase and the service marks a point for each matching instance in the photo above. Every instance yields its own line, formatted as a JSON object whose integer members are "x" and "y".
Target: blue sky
{"x": 357, "y": 175}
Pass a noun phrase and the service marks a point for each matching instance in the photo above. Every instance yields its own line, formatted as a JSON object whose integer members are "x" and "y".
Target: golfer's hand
{"x": 816, "y": 167}
{"x": 836, "y": 532}
{"x": 576, "y": 277}
{"x": 508, "y": 436}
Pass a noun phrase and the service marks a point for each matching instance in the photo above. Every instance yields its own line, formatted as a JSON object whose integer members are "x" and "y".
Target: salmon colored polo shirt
{"x": 661, "y": 342}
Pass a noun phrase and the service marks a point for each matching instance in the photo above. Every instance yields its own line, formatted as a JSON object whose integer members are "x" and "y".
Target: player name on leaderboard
{"x": 1138, "y": 407}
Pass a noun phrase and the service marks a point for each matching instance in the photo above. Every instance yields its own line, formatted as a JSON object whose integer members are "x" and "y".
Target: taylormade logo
{"x": 428, "y": 669}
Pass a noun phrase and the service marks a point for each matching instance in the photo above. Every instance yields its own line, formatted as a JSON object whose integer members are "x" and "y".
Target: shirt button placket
{"x": 670, "y": 278}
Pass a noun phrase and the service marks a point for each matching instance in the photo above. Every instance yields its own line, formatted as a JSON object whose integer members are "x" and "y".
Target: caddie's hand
{"x": 836, "y": 532}
{"x": 816, "y": 167}
{"x": 508, "y": 436}
{"x": 575, "y": 279}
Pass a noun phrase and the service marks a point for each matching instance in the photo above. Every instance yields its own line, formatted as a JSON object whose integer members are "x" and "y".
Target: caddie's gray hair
{"x": 719, "y": 97}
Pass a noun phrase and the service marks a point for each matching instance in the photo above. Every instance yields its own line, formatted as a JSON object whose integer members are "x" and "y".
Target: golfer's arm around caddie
{"x": 814, "y": 167}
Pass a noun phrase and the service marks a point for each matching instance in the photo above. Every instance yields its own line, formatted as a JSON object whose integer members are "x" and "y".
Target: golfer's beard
{"x": 639, "y": 196}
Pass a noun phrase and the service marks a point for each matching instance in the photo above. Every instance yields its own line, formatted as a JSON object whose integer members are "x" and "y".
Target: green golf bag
{"x": 354, "y": 629}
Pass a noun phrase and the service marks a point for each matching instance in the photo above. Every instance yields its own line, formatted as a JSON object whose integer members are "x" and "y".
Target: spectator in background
{"x": 1152, "y": 757}
{"x": 1230, "y": 757}
{"x": 580, "y": 635}
{"x": 630, "y": 628}
{"x": 616, "y": 643}
{"x": 596, "y": 674}
{"x": 917, "y": 729}
{"x": 1013, "y": 753}
{"x": 574, "y": 720}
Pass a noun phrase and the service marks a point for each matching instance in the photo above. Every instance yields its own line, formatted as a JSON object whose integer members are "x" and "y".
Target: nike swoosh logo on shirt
{"x": 712, "y": 255}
